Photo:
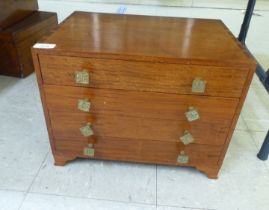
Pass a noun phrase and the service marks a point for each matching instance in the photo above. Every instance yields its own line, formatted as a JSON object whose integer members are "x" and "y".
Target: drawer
{"x": 67, "y": 126}
{"x": 139, "y": 104}
{"x": 142, "y": 151}
{"x": 142, "y": 76}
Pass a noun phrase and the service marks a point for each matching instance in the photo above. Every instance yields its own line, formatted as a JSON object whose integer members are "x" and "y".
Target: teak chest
{"x": 143, "y": 89}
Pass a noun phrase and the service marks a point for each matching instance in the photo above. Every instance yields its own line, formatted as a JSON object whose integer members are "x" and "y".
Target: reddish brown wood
{"x": 67, "y": 125}
{"x": 146, "y": 37}
{"x": 46, "y": 113}
{"x": 61, "y": 159}
{"x": 160, "y": 116}
{"x": 16, "y": 42}
{"x": 139, "y": 104}
{"x": 141, "y": 76}
{"x": 13, "y": 11}
{"x": 142, "y": 151}
{"x": 237, "y": 114}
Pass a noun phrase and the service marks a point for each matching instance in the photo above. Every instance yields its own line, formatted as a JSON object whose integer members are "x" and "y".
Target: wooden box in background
{"x": 17, "y": 39}
{"x": 13, "y": 11}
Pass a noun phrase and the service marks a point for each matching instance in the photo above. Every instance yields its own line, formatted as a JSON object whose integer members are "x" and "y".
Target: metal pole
{"x": 263, "y": 154}
{"x": 266, "y": 81}
{"x": 246, "y": 22}
{"x": 263, "y": 76}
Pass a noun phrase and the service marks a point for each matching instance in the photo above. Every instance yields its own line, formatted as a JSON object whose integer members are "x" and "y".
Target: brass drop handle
{"x": 182, "y": 158}
{"x": 84, "y": 105}
{"x": 87, "y": 130}
{"x": 89, "y": 151}
{"x": 198, "y": 85}
{"x": 187, "y": 138}
{"x": 192, "y": 114}
{"x": 82, "y": 77}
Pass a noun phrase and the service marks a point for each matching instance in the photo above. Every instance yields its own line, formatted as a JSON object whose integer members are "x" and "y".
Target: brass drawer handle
{"x": 192, "y": 114}
{"x": 89, "y": 151}
{"x": 187, "y": 138}
{"x": 84, "y": 105}
{"x": 86, "y": 130}
{"x": 82, "y": 77}
{"x": 198, "y": 85}
{"x": 183, "y": 158}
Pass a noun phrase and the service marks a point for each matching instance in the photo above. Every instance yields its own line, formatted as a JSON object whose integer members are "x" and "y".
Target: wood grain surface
{"x": 139, "y": 104}
{"x": 17, "y": 40}
{"x": 67, "y": 125}
{"x": 13, "y": 11}
{"x": 142, "y": 151}
{"x": 143, "y": 76}
{"x": 145, "y": 37}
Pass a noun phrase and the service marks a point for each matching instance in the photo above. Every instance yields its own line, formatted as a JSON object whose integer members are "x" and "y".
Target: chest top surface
{"x": 143, "y": 37}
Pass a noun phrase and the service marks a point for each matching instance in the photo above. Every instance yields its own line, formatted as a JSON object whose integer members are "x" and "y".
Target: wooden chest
{"x": 143, "y": 89}
{"x": 13, "y": 11}
{"x": 16, "y": 42}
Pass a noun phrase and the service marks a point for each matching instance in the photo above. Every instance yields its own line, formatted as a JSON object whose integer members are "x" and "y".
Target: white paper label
{"x": 44, "y": 46}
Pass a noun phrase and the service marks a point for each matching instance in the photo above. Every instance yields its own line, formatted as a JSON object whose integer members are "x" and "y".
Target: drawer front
{"x": 143, "y": 76}
{"x": 138, "y": 104}
{"x": 68, "y": 126}
{"x": 142, "y": 151}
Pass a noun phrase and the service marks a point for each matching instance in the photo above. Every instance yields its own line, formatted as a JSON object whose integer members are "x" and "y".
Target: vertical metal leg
{"x": 266, "y": 80}
{"x": 261, "y": 73}
{"x": 246, "y": 22}
{"x": 264, "y": 152}
{"x": 263, "y": 76}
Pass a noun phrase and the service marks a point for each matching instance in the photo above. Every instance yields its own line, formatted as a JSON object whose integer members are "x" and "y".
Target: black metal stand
{"x": 263, "y": 76}
{"x": 246, "y": 21}
{"x": 261, "y": 73}
{"x": 263, "y": 154}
